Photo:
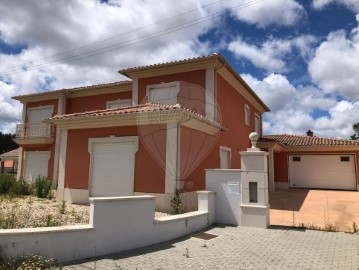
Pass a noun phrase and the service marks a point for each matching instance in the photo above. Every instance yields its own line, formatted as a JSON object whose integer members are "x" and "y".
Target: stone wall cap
{"x": 122, "y": 198}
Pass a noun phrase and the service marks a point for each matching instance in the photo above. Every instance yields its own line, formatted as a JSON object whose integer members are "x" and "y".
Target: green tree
{"x": 355, "y": 136}
{"x": 6, "y": 142}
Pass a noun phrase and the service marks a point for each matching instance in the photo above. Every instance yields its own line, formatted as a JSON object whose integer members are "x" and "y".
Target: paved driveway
{"x": 241, "y": 248}
{"x": 315, "y": 207}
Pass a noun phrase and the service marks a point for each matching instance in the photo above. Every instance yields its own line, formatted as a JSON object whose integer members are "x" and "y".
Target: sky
{"x": 300, "y": 57}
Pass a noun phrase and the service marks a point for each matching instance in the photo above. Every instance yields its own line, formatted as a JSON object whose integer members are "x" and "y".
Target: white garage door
{"x": 322, "y": 171}
{"x": 36, "y": 163}
{"x": 112, "y": 169}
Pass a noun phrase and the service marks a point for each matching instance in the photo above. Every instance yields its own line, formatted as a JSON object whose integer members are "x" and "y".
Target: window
{"x": 296, "y": 159}
{"x": 247, "y": 115}
{"x": 165, "y": 93}
{"x": 40, "y": 113}
{"x": 253, "y": 192}
{"x": 225, "y": 157}
{"x": 344, "y": 159}
{"x": 257, "y": 123}
{"x": 119, "y": 103}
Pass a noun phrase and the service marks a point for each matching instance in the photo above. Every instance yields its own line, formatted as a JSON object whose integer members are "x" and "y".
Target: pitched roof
{"x": 302, "y": 140}
{"x": 176, "y": 62}
{"x": 10, "y": 154}
{"x": 142, "y": 108}
{"x": 74, "y": 89}
{"x": 214, "y": 56}
{"x": 148, "y": 107}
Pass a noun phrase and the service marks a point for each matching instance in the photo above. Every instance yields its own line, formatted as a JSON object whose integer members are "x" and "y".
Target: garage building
{"x": 297, "y": 161}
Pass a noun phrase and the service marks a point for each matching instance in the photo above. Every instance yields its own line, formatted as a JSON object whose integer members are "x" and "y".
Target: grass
{"x": 26, "y": 262}
{"x": 33, "y": 212}
{"x": 327, "y": 226}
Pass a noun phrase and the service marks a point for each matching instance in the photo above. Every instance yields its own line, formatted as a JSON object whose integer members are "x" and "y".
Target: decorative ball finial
{"x": 253, "y": 137}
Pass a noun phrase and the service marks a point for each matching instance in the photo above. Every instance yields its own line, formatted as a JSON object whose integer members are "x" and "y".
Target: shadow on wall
{"x": 288, "y": 199}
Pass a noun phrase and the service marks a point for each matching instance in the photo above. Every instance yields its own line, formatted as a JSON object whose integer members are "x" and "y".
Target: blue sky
{"x": 301, "y": 57}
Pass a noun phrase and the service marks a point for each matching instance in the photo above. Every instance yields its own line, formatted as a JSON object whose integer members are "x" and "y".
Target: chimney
{"x": 310, "y": 133}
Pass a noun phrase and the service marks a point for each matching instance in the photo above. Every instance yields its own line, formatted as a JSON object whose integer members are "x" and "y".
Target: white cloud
{"x": 293, "y": 108}
{"x": 350, "y": 4}
{"x": 273, "y": 54}
{"x": 264, "y": 57}
{"x": 48, "y": 29}
{"x": 334, "y": 66}
{"x": 274, "y": 12}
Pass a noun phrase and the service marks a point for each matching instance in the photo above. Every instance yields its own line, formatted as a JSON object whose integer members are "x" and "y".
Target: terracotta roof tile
{"x": 148, "y": 107}
{"x": 125, "y": 70}
{"x": 302, "y": 140}
{"x": 12, "y": 153}
{"x": 74, "y": 89}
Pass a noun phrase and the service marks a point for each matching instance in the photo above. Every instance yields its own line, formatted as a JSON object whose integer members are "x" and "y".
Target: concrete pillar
{"x": 206, "y": 203}
{"x": 2, "y": 163}
{"x": 254, "y": 186}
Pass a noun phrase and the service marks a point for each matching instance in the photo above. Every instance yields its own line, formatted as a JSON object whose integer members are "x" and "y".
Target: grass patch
{"x": 26, "y": 262}
{"x": 32, "y": 212}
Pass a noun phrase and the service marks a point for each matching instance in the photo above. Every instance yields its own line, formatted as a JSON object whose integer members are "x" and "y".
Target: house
{"x": 298, "y": 161}
{"x": 152, "y": 134}
{"x": 8, "y": 161}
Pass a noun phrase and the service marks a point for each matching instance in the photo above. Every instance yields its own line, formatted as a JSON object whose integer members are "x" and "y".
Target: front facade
{"x": 153, "y": 134}
{"x": 297, "y": 161}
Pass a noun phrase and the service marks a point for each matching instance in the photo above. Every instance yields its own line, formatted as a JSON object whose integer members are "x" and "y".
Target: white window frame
{"x": 122, "y": 103}
{"x": 228, "y": 150}
{"x": 163, "y": 85}
{"x": 247, "y": 115}
{"x": 257, "y": 123}
{"x": 39, "y": 108}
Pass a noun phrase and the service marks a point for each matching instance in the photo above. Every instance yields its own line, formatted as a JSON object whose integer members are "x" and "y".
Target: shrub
{"x": 20, "y": 187}
{"x": 6, "y": 182}
{"x": 42, "y": 187}
{"x": 177, "y": 204}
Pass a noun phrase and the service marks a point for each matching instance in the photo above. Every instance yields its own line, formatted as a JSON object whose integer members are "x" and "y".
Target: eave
{"x": 179, "y": 116}
{"x": 328, "y": 148}
{"x": 170, "y": 68}
{"x": 313, "y": 148}
{"x": 76, "y": 92}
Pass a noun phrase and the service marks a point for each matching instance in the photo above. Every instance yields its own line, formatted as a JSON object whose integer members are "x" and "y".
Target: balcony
{"x": 34, "y": 134}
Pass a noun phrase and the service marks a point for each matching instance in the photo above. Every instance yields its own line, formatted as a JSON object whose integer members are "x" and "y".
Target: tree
{"x": 355, "y": 136}
{"x": 6, "y": 142}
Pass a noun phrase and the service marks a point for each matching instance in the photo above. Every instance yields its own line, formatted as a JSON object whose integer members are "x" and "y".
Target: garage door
{"x": 322, "y": 171}
{"x": 36, "y": 164}
{"x": 112, "y": 169}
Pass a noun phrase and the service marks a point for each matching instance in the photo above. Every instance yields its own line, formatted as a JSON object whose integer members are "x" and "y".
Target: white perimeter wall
{"x": 116, "y": 224}
{"x": 226, "y": 184}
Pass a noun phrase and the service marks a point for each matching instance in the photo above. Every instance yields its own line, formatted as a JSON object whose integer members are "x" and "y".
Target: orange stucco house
{"x": 153, "y": 134}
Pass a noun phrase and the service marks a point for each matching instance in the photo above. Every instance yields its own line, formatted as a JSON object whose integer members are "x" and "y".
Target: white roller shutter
{"x": 38, "y": 114}
{"x": 112, "y": 169}
{"x": 322, "y": 171}
{"x": 36, "y": 163}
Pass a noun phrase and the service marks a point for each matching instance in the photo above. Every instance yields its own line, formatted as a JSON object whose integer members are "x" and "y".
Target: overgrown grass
{"x": 32, "y": 212}
{"x": 26, "y": 262}
{"x": 328, "y": 226}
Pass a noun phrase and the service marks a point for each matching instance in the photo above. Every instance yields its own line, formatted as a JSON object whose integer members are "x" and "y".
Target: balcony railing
{"x": 25, "y": 131}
